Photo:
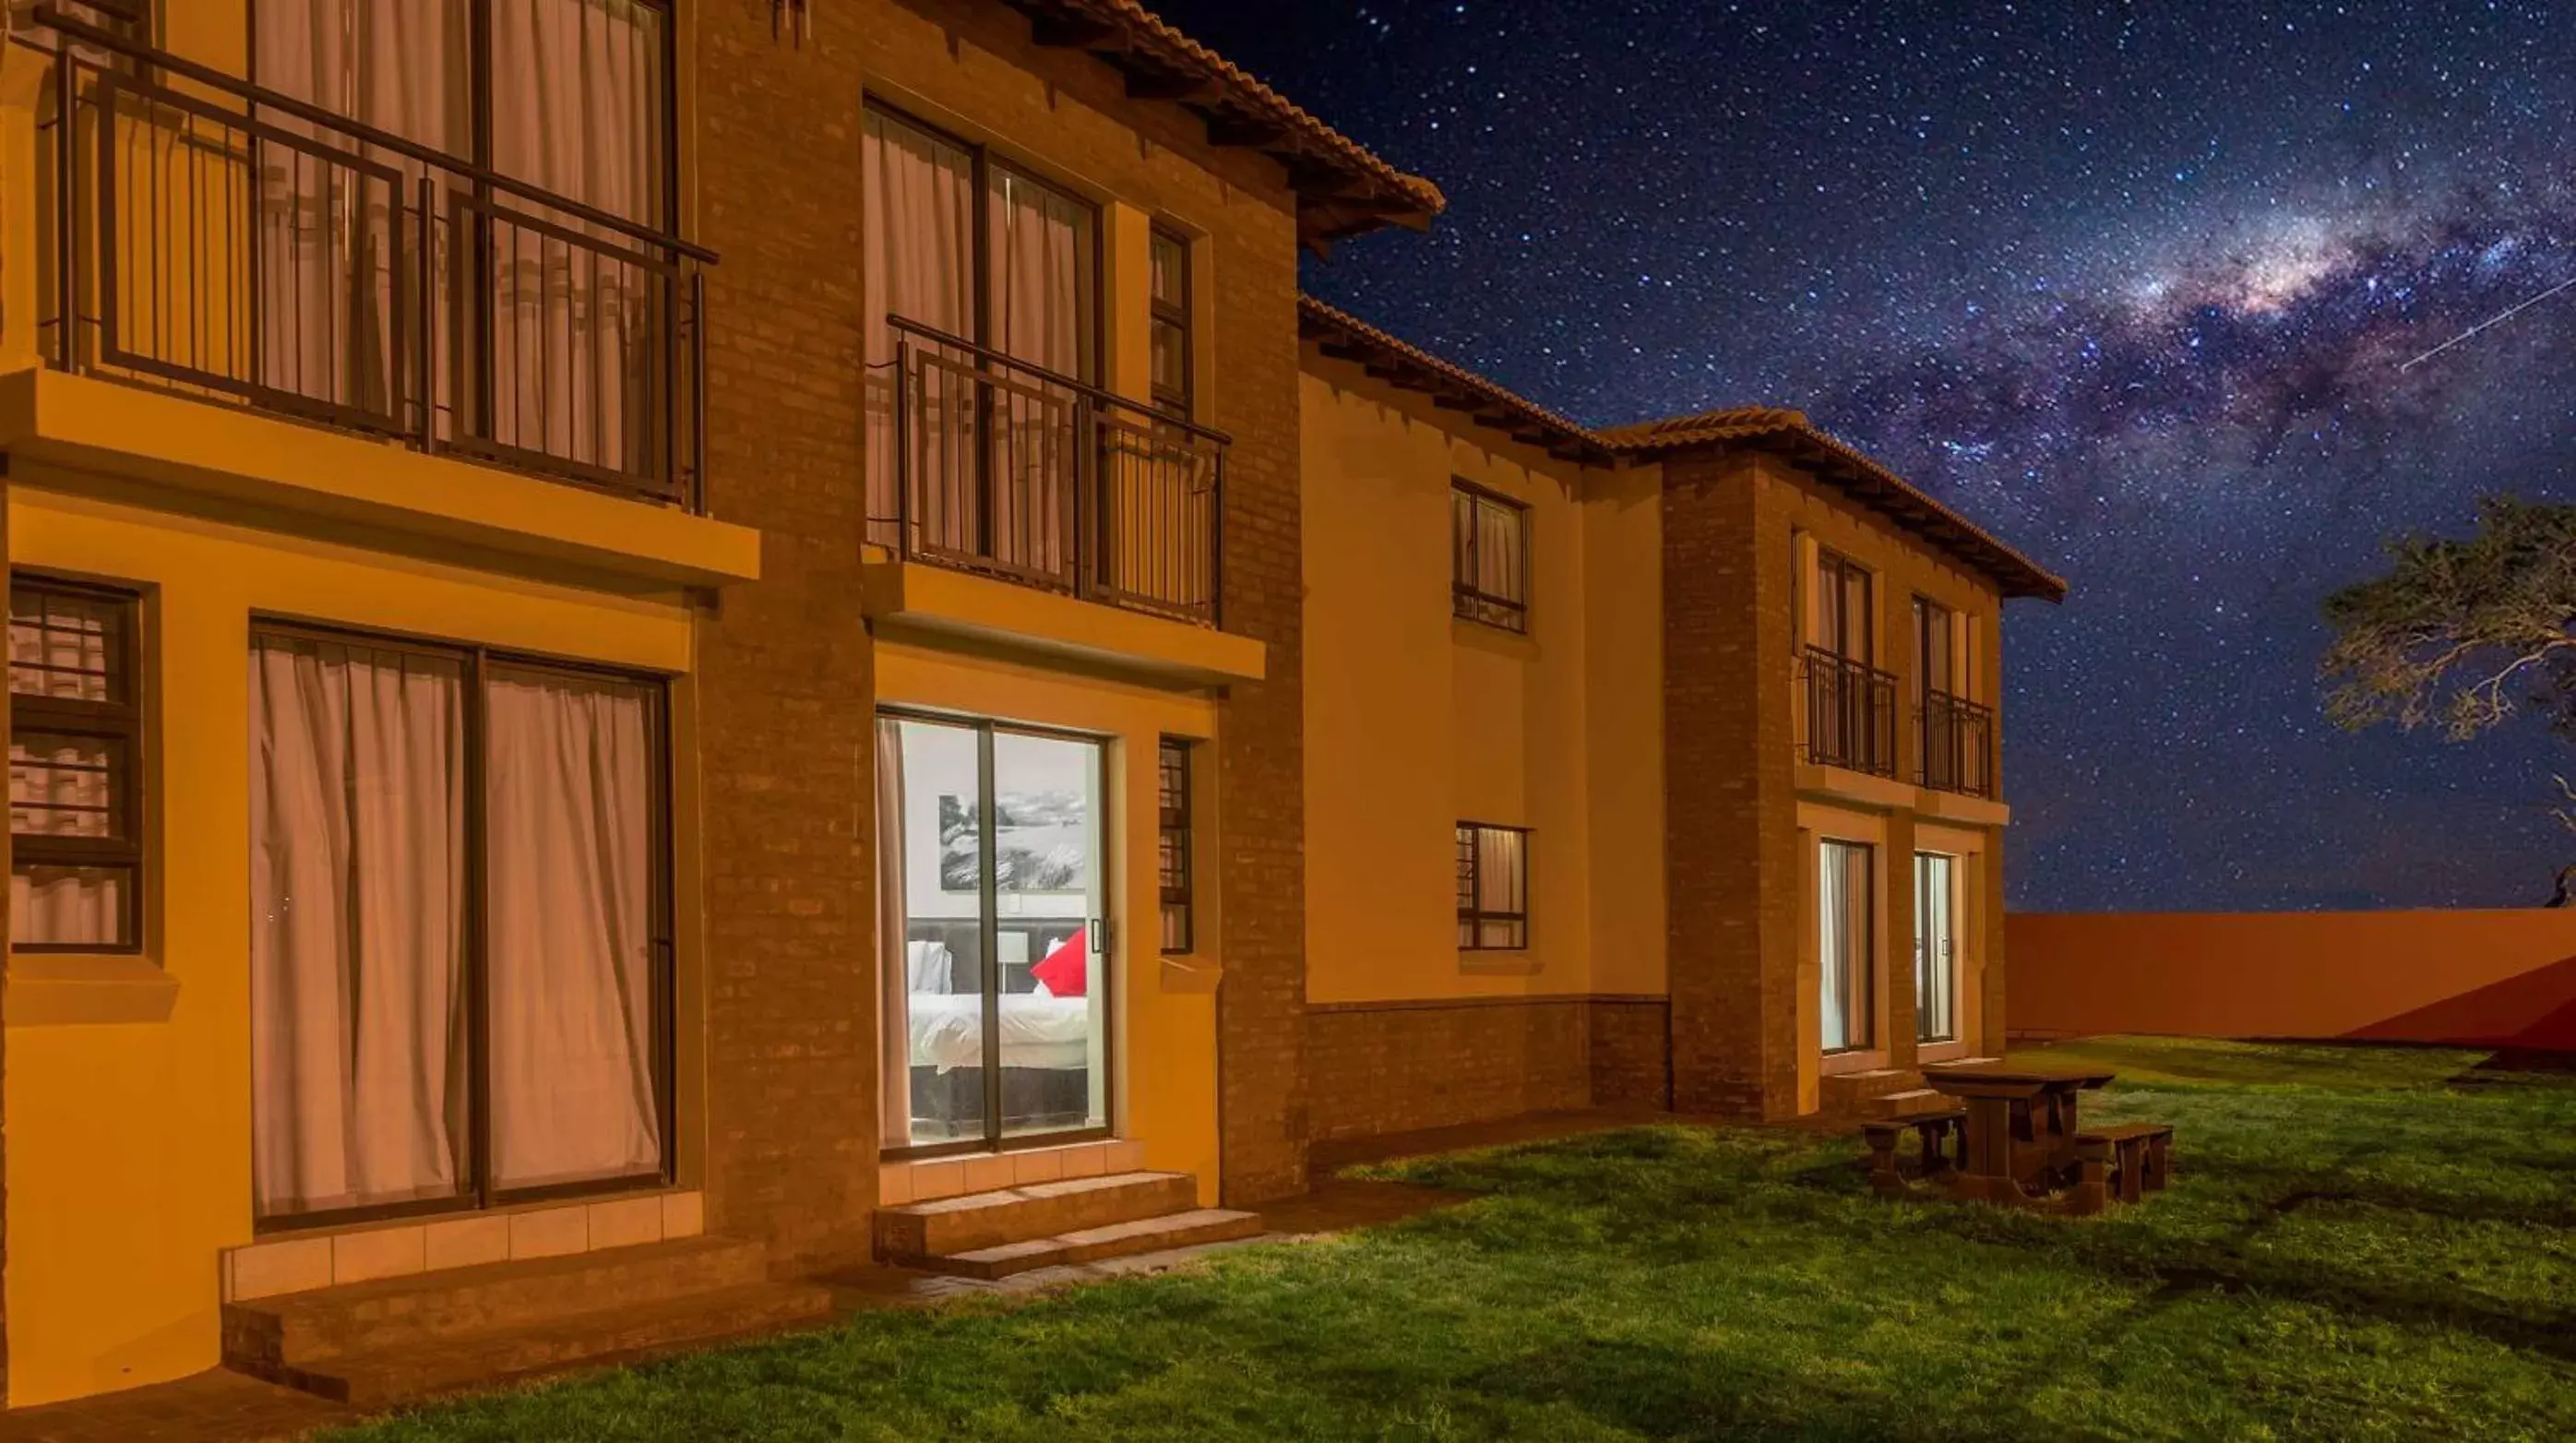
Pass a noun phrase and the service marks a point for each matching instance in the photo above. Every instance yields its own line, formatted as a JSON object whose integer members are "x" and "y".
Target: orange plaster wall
{"x": 2483, "y": 978}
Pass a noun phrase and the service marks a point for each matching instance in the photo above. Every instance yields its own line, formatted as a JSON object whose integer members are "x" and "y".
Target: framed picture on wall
{"x": 1040, "y": 842}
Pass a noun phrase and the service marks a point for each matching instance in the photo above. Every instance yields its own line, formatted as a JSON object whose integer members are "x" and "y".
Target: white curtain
{"x": 568, "y": 763}
{"x": 1040, "y": 251}
{"x": 357, "y": 941}
{"x": 328, "y": 291}
{"x": 1842, "y": 944}
{"x": 894, "y": 960}
{"x": 577, "y": 108}
{"x": 918, "y": 263}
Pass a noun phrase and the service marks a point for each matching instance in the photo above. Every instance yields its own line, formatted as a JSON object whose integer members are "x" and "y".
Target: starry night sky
{"x": 2130, "y": 284}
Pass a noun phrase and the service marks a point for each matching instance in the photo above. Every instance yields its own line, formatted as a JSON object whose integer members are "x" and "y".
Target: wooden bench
{"x": 2141, "y": 1156}
{"x": 1940, "y": 1137}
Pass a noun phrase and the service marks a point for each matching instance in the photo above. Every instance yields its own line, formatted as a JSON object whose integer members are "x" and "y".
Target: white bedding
{"x": 1037, "y": 1030}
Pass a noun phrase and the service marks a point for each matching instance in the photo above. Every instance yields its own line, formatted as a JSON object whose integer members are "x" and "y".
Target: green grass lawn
{"x": 2360, "y": 1243}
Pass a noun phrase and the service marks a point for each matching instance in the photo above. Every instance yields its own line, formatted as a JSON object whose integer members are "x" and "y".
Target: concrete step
{"x": 427, "y": 1308}
{"x": 1913, "y": 1102}
{"x": 1194, "y": 1228}
{"x": 382, "y": 1377}
{"x": 982, "y": 1220}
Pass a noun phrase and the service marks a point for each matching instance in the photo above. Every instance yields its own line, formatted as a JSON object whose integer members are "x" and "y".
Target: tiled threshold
{"x": 899, "y": 1183}
{"x": 402, "y": 1249}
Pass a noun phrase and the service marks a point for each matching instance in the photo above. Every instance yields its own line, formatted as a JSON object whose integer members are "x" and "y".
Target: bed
{"x": 1045, "y": 1041}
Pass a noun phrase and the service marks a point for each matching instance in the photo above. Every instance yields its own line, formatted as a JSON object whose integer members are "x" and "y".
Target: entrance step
{"x": 395, "y": 1339}
{"x": 975, "y": 1222}
{"x": 1849, "y": 1094}
{"x": 1197, "y": 1227}
{"x": 1913, "y": 1102}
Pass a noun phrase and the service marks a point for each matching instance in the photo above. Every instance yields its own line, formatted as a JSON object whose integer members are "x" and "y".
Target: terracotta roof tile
{"x": 1343, "y": 189}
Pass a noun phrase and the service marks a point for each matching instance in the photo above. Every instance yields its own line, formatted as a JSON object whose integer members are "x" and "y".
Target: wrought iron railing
{"x": 1851, "y": 713}
{"x": 1958, "y": 740}
{"x": 986, "y": 463}
{"x": 233, "y": 242}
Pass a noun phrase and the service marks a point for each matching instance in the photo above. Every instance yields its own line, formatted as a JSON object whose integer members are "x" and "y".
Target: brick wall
{"x": 784, "y": 693}
{"x": 1380, "y": 1067}
{"x": 1631, "y": 1051}
{"x": 1730, "y": 810}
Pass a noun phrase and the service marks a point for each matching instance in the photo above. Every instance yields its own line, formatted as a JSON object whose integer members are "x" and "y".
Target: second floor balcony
{"x": 1958, "y": 745}
{"x": 981, "y": 462}
{"x": 1850, "y": 712}
{"x": 209, "y": 235}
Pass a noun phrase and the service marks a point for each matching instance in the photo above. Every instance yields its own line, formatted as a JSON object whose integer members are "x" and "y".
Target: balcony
{"x": 994, "y": 466}
{"x": 1851, "y": 713}
{"x": 1958, "y": 738}
{"x": 211, "y": 237}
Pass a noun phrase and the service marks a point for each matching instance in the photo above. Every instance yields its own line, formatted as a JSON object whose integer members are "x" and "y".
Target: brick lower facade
{"x": 1382, "y": 1067}
{"x": 1731, "y": 865}
{"x": 784, "y": 697}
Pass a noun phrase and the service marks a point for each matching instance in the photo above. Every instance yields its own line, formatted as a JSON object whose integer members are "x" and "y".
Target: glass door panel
{"x": 1843, "y": 945}
{"x": 1936, "y": 950}
{"x": 1048, "y": 921}
{"x": 931, "y": 901}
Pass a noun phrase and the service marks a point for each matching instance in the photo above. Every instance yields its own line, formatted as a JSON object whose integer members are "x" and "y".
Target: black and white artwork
{"x": 1041, "y": 842}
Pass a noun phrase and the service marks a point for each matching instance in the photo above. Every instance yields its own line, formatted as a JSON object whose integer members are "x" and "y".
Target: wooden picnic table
{"x": 2021, "y": 1124}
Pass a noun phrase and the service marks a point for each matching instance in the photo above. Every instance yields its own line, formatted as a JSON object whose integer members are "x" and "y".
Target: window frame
{"x": 479, "y": 1193}
{"x": 1861, "y": 973}
{"x": 119, "y": 719}
{"x": 1175, "y": 314}
{"x": 1835, "y": 575}
{"x": 982, "y": 162}
{"x": 478, "y": 80}
{"x": 1469, "y": 842}
{"x": 1467, "y": 600}
{"x": 1176, "y": 834}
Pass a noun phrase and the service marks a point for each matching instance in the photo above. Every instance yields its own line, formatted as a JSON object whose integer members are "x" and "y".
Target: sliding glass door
{"x": 1936, "y": 949}
{"x": 460, "y": 942}
{"x": 991, "y": 900}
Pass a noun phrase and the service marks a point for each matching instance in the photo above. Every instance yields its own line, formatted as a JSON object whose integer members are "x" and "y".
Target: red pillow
{"x": 1066, "y": 968}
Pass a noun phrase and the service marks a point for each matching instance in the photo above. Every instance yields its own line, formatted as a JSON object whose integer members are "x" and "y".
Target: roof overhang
{"x": 1342, "y": 190}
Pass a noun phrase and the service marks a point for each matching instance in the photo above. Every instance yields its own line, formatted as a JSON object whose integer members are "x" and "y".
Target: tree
{"x": 2462, "y": 633}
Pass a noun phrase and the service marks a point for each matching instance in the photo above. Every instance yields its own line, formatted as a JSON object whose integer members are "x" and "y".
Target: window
{"x": 460, "y": 941}
{"x": 1180, "y": 921}
{"x": 958, "y": 242}
{"x": 75, "y": 796}
{"x": 1842, "y": 608}
{"x": 1493, "y": 887}
{"x": 1932, "y": 670}
{"x": 1843, "y": 946}
{"x": 1489, "y": 557}
{"x": 1171, "y": 334}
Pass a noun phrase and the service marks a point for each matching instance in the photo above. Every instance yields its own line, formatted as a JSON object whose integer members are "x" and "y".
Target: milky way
{"x": 2131, "y": 284}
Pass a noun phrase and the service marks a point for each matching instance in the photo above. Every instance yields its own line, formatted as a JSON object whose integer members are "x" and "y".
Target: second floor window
{"x": 1932, "y": 650}
{"x": 1493, "y": 887}
{"x": 1171, "y": 338}
{"x": 1843, "y": 610}
{"x": 75, "y": 803}
{"x": 1488, "y": 557}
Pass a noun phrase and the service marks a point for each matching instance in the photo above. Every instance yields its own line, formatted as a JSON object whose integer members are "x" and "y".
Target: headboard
{"x": 964, "y": 939}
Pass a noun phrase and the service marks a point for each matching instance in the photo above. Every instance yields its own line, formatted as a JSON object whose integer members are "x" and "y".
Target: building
{"x": 616, "y": 680}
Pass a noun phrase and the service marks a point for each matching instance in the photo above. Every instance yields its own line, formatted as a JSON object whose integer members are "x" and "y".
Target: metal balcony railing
{"x": 218, "y": 238}
{"x": 1958, "y": 740}
{"x": 1851, "y": 713}
{"x": 998, "y": 466}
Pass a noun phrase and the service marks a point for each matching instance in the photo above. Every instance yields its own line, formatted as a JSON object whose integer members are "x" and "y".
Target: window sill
{"x": 1486, "y": 636}
{"x": 1498, "y": 963}
{"x": 61, "y": 989}
{"x": 1835, "y": 1064}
